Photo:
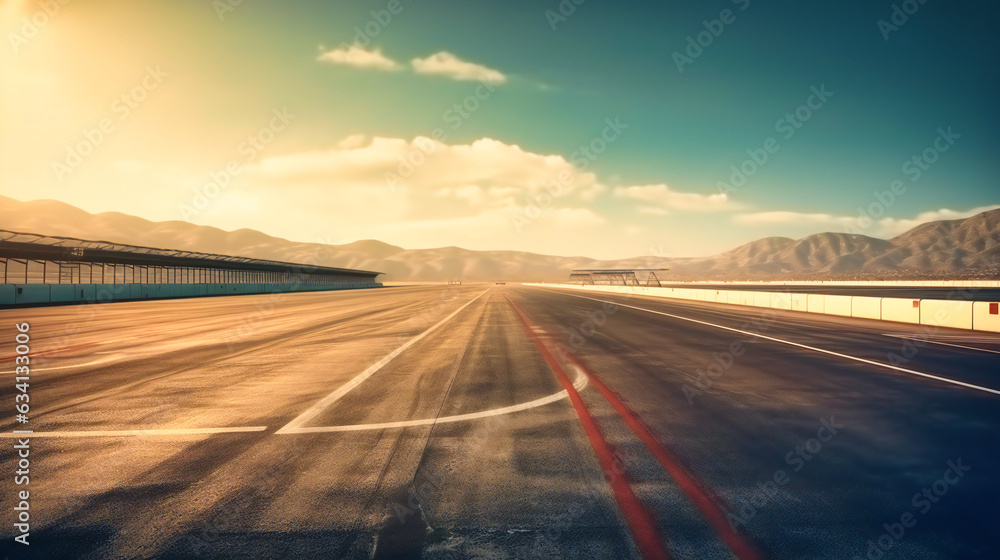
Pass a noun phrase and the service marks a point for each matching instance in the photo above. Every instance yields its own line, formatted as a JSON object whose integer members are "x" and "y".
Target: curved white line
{"x": 313, "y": 411}
{"x": 129, "y": 433}
{"x": 580, "y": 383}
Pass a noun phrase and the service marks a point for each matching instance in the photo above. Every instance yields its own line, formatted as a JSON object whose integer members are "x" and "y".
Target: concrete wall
{"x": 958, "y": 314}
{"x": 837, "y": 305}
{"x": 902, "y": 310}
{"x": 986, "y": 316}
{"x": 31, "y": 293}
{"x": 761, "y": 299}
{"x": 781, "y": 300}
{"x": 88, "y": 290}
{"x": 7, "y": 292}
{"x": 946, "y": 313}
{"x": 25, "y": 294}
{"x": 817, "y": 303}
{"x": 866, "y": 307}
{"x": 800, "y": 302}
{"x": 111, "y": 292}
{"x": 875, "y": 283}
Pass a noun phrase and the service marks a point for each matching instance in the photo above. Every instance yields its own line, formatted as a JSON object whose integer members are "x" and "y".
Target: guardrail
{"x": 958, "y": 313}
{"x": 874, "y": 283}
{"x": 28, "y": 294}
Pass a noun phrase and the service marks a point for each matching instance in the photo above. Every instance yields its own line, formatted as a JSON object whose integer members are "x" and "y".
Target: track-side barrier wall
{"x": 959, "y": 314}
{"x": 26, "y": 294}
{"x": 869, "y": 283}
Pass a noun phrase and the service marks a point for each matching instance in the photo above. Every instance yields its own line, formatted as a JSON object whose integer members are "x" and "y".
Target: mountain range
{"x": 966, "y": 248}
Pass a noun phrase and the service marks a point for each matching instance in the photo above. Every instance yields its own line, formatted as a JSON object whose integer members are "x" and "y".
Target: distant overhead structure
{"x": 617, "y": 276}
{"x": 31, "y": 258}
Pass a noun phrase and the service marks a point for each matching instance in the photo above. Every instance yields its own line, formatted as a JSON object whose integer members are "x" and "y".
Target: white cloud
{"x": 576, "y": 217}
{"x": 411, "y": 192}
{"x": 668, "y": 198}
{"x": 802, "y": 218}
{"x": 884, "y": 228}
{"x": 503, "y": 172}
{"x": 892, "y": 227}
{"x": 439, "y": 64}
{"x": 357, "y": 56}
{"x": 354, "y": 141}
{"x": 473, "y": 194}
{"x": 447, "y": 64}
{"x": 421, "y": 192}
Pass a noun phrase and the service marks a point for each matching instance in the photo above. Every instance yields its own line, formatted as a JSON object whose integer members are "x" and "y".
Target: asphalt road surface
{"x": 483, "y": 421}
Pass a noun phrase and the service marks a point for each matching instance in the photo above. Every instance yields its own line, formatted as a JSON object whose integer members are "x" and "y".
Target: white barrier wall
{"x": 979, "y": 315}
{"x": 816, "y": 303}
{"x": 901, "y": 310}
{"x": 986, "y": 316}
{"x": 837, "y": 305}
{"x": 781, "y": 300}
{"x": 761, "y": 299}
{"x": 946, "y": 313}
{"x": 866, "y": 307}
{"x": 873, "y": 283}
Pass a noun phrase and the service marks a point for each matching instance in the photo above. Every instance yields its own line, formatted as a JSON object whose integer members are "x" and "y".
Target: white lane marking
{"x": 333, "y": 397}
{"x": 813, "y": 348}
{"x": 922, "y": 339}
{"x": 129, "y": 433}
{"x": 958, "y": 337}
{"x": 580, "y": 383}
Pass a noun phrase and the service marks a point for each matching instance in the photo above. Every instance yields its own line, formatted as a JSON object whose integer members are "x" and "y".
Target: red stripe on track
{"x": 695, "y": 491}
{"x": 640, "y": 521}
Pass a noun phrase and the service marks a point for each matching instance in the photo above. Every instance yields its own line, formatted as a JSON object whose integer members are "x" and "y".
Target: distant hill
{"x": 968, "y": 248}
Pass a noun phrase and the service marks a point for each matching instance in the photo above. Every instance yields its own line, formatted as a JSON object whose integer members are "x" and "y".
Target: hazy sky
{"x": 601, "y": 129}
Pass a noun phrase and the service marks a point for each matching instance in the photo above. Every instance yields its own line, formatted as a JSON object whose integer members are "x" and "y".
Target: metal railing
{"x": 616, "y": 276}
{"x": 29, "y": 258}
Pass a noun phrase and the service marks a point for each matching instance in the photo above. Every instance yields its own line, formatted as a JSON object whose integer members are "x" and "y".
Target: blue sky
{"x": 540, "y": 86}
